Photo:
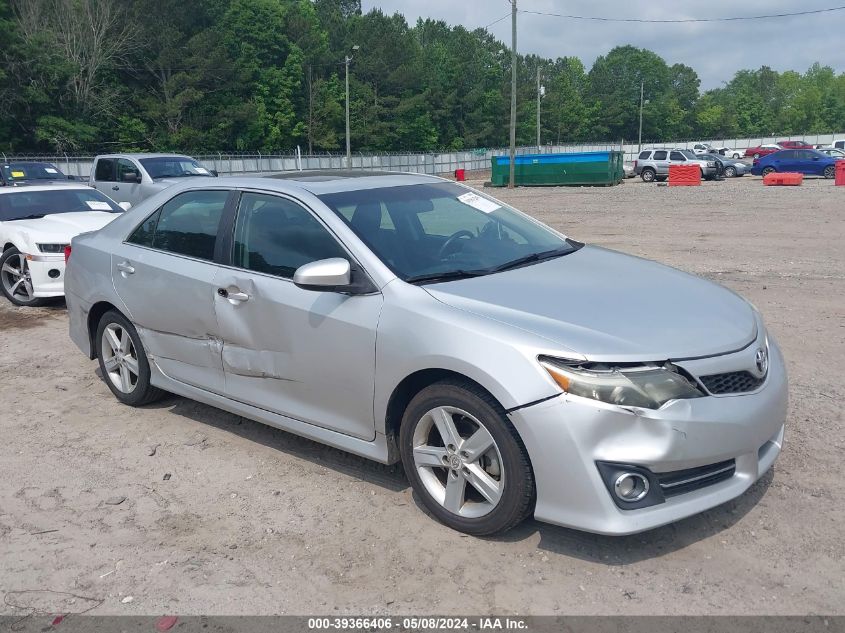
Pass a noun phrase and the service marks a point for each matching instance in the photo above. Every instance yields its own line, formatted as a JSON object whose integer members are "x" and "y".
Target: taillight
{"x": 635, "y": 164}
{"x": 67, "y": 253}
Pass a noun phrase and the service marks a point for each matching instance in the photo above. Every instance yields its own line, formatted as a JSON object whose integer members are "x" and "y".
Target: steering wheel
{"x": 451, "y": 241}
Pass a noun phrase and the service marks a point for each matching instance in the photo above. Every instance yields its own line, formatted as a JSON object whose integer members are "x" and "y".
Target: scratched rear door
{"x": 165, "y": 275}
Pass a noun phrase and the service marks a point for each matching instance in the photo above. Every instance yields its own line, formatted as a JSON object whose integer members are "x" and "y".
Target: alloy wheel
{"x": 829, "y": 172}
{"x": 120, "y": 358}
{"x": 16, "y": 278}
{"x": 458, "y": 462}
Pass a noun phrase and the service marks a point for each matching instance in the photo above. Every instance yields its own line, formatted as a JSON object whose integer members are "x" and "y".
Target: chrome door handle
{"x": 126, "y": 268}
{"x": 233, "y": 297}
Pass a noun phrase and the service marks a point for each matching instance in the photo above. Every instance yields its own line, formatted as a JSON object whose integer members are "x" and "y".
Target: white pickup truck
{"x": 134, "y": 177}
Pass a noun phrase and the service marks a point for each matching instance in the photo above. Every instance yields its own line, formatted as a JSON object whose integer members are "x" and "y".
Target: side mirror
{"x": 130, "y": 176}
{"x": 125, "y": 205}
{"x": 334, "y": 273}
{"x": 213, "y": 172}
{"x": 70, "y": 177}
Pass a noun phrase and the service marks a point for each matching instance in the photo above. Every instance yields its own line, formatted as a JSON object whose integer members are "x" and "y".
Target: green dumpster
{"x": 581, "y": 168}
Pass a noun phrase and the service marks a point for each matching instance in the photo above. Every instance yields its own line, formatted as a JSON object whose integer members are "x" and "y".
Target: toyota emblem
{"x": 762, "y": 361}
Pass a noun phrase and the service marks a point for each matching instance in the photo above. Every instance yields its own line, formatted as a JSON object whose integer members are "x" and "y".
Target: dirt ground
{"x": 256, "y": 521}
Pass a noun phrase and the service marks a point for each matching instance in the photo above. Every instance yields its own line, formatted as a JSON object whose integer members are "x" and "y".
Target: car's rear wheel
{"x": 464, "y": 459}
{"x": 648, "y": 174}
{"x": 730, "y": 171}
{"x": 15, "y": 279}
{"x": 736, "y": 155}
{"x": 768, "y": 170}
{"x": 123, "y": 361}
{"x": 830, "y": 172}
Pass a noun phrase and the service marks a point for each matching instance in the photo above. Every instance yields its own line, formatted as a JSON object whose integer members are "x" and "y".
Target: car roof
{"x": 30, "y": 188}
{"x": 142, "y": 155}
{"x": 26, "y": 162}
{"x": 319, "y": 182}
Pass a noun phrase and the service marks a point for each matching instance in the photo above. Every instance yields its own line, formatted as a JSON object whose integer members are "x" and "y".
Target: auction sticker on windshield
{"x": 18, "y": 174}
{"x": 477, "y": 202}
{"x": 98, "y": 205}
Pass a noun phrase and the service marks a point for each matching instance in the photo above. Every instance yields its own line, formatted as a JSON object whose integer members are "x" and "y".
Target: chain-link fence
{"x": 228, "y": 163}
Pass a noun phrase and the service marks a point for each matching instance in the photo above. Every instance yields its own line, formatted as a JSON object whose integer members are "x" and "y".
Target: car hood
{"x": 61, "y": 227}
{"x": 607, "y": 306}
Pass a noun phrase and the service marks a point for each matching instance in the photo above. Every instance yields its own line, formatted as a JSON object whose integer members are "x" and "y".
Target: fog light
{"x": 53, "y": 273}
{"x": 630, "y": 487}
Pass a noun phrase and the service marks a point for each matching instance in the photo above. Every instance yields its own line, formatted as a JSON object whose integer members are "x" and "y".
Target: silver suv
{"x": 135, "y": 177}
{"x": 653, "y": 164}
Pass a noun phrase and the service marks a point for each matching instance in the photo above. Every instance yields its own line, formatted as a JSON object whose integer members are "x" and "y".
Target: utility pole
{"x": 310, "y": 113}
{"x": 513, "y": 95}
{"x": 640, "y": 142}
{"x": 538, "y": 107}
{"x": 346, "y": 60}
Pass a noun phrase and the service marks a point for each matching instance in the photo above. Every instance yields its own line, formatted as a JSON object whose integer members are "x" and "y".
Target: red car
{"x": 795, "y": 145}
{"x": 762, "y": 150}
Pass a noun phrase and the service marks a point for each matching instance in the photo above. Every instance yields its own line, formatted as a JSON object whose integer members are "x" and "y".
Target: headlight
{"x": 711, "y": 163}
{"x": 51, "y": 248}
{"x": 648, "y": 385}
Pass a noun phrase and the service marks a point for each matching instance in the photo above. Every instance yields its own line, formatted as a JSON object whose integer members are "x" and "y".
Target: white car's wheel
{"x": 15, "y": 279}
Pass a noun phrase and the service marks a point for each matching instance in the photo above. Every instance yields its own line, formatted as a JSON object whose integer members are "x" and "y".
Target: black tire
{"x": 662, "y": 178}
{"x": 142, "y": 392}
{"x": 648, "y": 174}
{"x": 756, "y": 155}
{"x": 13, "y": 259}
{"x": 830, "y": 172}
{"x": 517, "y": 495}
{"x": 736, "y": 155}
{"x": 768, "y": 170}
{"x": 730, "y": 171}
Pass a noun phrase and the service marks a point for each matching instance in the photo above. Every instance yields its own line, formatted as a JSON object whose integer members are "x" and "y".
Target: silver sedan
{"x": 512, "y": 370}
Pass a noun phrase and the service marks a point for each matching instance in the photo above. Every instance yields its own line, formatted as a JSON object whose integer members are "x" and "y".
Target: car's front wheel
{"x": 830, "y": 172}
{"x": 768, "y": 170}
{"x": 648, "y": 175}
{"x": 123, "y": 361}
{"x": 464, "y": 459}
{"x": 15, "y": 279}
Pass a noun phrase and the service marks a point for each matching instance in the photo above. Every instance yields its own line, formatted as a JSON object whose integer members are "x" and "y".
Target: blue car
{"x": 804, "y": 161}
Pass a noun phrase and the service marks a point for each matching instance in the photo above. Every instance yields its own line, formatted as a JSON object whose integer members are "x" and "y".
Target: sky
{"x": 715, "y": 50}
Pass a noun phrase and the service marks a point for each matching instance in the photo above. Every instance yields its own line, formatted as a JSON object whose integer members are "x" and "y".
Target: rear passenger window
{"x": 105, "y": 170}
{"x": 660, "y": 155}
{"x": 644, "y": 155}
{"x": 185, "y": 225}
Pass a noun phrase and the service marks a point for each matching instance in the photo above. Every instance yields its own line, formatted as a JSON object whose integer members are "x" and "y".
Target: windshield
{"x": 31, "y": 171}
{"x": 442, "y": 230}
{"x": 24, "y": 203}
{"x": 173, "y": 167}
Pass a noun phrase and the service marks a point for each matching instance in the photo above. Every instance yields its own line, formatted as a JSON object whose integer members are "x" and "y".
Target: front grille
{"x": 731, "y": 382}
{"x": 681, "y": 481}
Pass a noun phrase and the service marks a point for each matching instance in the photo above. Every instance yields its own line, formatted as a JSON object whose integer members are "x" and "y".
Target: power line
{"x": 681, "y": 20}
{"x": 506, "y": 15}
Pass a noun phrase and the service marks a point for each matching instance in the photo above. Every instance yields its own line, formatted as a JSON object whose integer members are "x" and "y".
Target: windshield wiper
{"x": 533, "y": 257}
{"x": 34, "y": 216}
{"x": 448, "y": 275}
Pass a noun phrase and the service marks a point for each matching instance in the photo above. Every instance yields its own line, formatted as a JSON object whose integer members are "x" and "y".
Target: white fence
{"x": 426, "y": 163}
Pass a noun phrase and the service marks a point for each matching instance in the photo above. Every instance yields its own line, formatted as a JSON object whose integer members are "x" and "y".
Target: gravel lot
{"x": 254, "y": 520}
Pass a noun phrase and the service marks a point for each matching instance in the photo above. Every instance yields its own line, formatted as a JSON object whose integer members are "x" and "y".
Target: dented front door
{"x": 304, "y": 354}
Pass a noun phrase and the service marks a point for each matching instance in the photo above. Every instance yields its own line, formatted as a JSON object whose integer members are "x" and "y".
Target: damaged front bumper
{"x": 568, "y": 437}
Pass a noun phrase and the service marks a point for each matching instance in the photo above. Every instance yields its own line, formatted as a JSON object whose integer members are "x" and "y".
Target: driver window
{"x": 125, "y": 167}
{"x": 276, "y": 236}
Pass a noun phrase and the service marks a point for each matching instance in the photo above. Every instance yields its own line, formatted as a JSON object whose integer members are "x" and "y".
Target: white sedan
{"x": 36, "y": 226}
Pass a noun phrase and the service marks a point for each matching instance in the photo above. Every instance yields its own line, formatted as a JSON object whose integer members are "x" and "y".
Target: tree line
{"x": 268, "y": 75}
